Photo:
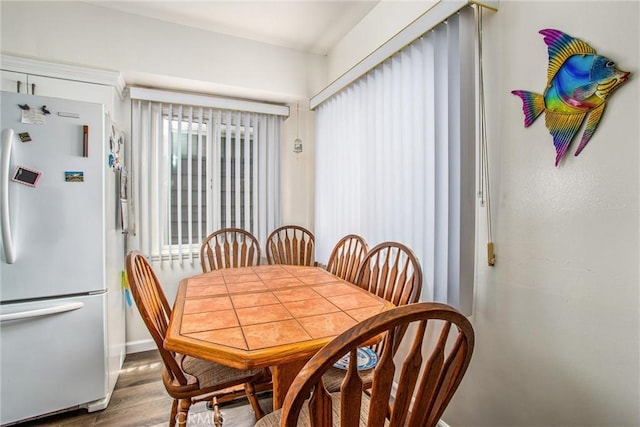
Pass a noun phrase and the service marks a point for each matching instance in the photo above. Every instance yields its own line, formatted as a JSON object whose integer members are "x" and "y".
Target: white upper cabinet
{"x": 14, "y": 82}
{"x": 63, "y": 81}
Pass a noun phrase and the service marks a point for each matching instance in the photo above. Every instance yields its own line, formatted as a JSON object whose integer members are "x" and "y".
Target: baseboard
{"x": 442, "y": 424}
{"x": 140, "y": 345}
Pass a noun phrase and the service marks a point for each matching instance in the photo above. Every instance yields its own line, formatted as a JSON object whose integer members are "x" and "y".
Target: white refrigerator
{"x": 62, "y": 334}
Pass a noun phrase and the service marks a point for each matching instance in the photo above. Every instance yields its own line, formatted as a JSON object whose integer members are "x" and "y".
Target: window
{"x": 245, "y": 155}
{"x": 197, "y": 169}
{"x": 189, "y": 174}
{"x": 188, "y": 170}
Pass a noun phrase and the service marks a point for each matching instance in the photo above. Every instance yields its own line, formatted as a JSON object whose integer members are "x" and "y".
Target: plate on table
{"x": 367, "y": 359}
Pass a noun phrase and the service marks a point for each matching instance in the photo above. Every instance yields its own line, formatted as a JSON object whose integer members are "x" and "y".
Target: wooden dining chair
{"x": 229, "y": 248}
{"x": 292, "y": 245}
{"x": 187, "y": 379}
{"x": 346, "y": 257}
{"x": 391, "y": 271}
{"x": 427, "y": 372}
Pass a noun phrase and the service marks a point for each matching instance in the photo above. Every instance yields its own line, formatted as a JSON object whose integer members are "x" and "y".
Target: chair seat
{"x": 332, "y": 379}
{"x": 273, "y": 419}
{"x": 211, "y": 374}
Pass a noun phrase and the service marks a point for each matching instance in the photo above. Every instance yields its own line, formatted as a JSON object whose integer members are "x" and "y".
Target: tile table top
{"x": 259, "y": 316}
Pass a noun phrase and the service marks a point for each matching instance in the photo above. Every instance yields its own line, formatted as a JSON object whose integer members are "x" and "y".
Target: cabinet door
{"x": 69, "y": 89}
{"x": 13, "y": 82}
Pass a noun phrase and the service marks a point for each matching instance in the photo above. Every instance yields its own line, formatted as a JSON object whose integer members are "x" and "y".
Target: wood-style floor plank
{"x": 140, "y": 400}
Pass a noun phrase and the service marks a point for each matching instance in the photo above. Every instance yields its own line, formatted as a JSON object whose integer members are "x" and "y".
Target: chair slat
{"x": 351, "y": 393}
{"x": 375, "y": 279}
{"x": 308, "y": 260}
{"x": 449, "y": 379}
{"x": 403, "y": 276}
{"x": 299, "y": 248}
{"x": 320, "y": 407}
{"x": 408, "y": 378}
{"x": 221, "y": 255}
{"x": 382, "y": 383}
{"x": 234, "y": 259}
{"x": 429, "y": 384}
{"x": 288, "y": 247}
{"x": 242, "y": 255}
{"x": 390, "y": 273}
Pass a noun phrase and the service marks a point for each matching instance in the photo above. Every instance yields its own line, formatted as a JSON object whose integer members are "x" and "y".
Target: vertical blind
{"x": 395, "y": 158}
{"x": 199, "y": 169}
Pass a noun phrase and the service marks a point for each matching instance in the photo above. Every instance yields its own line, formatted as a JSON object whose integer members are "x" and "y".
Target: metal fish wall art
{"x": 579, "y": 81}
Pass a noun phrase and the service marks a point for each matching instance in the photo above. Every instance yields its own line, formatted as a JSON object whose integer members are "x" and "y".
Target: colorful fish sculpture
{"x": 578, "y": 84}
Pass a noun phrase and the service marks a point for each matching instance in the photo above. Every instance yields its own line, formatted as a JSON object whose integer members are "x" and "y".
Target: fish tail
{"x": 532, "y": 105}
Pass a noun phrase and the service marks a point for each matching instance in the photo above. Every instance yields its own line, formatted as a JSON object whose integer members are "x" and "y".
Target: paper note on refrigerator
{"x": 33, "y": 117}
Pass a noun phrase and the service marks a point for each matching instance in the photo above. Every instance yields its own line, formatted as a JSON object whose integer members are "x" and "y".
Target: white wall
{"x": 557, "y": 318}
{"x": 146, "y": 49}
{"x": 383, "y": 22}
{"x": 298, "y": 169}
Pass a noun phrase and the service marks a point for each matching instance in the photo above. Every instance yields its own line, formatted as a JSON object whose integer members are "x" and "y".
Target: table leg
{"x": 283, "y": 376}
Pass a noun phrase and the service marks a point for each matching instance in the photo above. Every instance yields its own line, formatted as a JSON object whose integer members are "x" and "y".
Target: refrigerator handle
{"x": 41, "y": 311}
{"x": 7, "y": 141}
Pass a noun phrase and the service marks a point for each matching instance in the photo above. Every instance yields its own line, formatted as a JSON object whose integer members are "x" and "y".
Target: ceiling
{"x": 306, "y": 25}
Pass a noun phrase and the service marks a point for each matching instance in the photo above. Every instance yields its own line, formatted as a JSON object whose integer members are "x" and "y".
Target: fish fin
{"x": 532, "y": 105}
{"x": 584, "y": 92}
{"x": 592, "y": 123}
{"x": 563, "y": 127}
{"x": 560, "y": 47}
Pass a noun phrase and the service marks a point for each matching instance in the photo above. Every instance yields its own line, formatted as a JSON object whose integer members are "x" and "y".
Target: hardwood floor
{"x": 140, "y": 400}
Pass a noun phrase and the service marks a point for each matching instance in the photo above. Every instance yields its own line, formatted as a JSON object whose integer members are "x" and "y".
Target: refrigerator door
{"x": 56, "y": 214}
{"x": 53, "y": 355}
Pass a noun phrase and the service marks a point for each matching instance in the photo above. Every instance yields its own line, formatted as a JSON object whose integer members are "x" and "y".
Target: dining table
{"x": 265, "y": 316}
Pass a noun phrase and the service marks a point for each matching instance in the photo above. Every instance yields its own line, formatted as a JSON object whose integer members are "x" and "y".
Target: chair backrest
{"x": 153, "y": 307}
{"x": 229, "y": 248}
{"x": 292, "y": 245}
{"x": 427, "y": 376}
{"x": 347, "y": 256}
{"x": 392, "y": 271}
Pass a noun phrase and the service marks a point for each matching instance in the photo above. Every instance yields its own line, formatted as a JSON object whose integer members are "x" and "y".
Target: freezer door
{"x": 53, "y": 356}
{"x": 57, "y": 227}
